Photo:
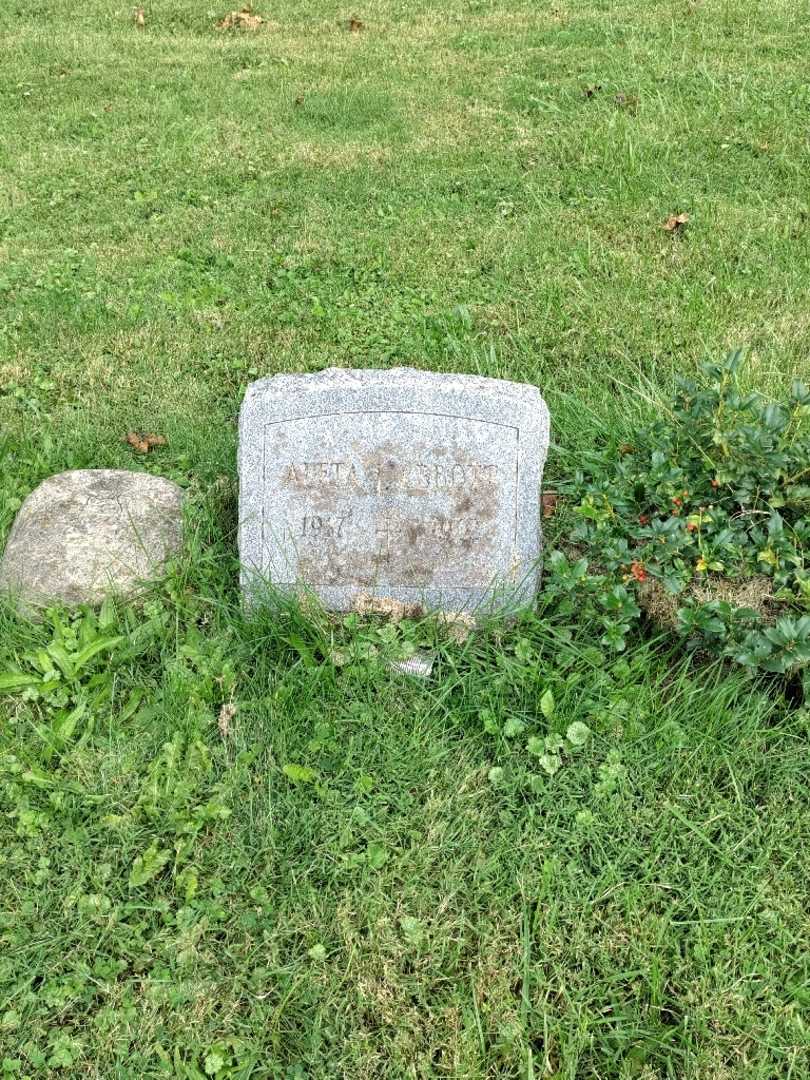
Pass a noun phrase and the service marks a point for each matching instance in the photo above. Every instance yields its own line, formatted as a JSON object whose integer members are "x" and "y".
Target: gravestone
{"x": 403, "y": 484}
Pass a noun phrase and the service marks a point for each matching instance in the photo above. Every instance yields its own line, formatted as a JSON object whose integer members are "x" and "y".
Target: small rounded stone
{"x": 89, "y": 532}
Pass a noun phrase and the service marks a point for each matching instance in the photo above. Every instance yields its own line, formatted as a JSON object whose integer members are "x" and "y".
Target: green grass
{"x": 183, "y": 210}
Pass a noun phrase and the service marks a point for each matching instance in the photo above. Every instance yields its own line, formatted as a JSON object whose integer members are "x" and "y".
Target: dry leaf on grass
{"x": 675, "y": 222}
{"x": 241, "y": 20}
{"x": 136, "y": 442}
{"x": 226, "y": 714}
{"x": 549, "y": 501}
{"x": 140, "y": 17}
{"x": 144, "y": 443}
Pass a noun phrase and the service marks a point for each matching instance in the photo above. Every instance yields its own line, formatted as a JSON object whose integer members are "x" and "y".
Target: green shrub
{"x": 701, "y": 522}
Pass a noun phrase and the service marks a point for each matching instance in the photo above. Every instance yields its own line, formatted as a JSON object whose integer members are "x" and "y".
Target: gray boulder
{"x": 83, "y": 534}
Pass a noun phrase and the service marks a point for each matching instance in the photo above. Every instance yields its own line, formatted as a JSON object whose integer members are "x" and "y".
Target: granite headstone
{"x": 410, "y": 485}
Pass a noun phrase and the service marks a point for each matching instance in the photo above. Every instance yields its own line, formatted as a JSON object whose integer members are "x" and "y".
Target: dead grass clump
{"x": 241, "y": 20}
{"x": 457, "y": 624}
{"x": 395, "y": 610}
{"x": 662, "y": 607}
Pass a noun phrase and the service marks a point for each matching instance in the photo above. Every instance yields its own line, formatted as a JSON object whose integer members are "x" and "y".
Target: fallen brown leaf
{"x": 140, "y": 17}
{"x": 136, "y": 442}
{"x": 241, "y": 20}
{"x": 675, "y": 222}
{"x": 142, "y": 444}
{"x": 355, "y": 25}
{"x": 549, "y": 501}
{"x": 626, "y": 448}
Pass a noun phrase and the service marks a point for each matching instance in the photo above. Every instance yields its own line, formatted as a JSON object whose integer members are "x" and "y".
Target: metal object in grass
{"x": 418, "y": 666}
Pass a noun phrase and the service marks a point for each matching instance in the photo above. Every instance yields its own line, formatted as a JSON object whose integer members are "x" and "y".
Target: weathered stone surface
{"x": 89, "y": 532}
{"x": 417, "y": 486}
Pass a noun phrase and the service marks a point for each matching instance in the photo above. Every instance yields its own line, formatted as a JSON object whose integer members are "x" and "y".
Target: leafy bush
{"x": 702, "y": 522}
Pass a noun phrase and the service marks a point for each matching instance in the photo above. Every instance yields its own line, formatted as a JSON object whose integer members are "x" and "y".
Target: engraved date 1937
{"x": 325, "y": 526}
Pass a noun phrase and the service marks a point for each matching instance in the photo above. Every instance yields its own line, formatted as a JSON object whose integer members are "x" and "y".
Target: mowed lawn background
{"x": 466, "y": 186}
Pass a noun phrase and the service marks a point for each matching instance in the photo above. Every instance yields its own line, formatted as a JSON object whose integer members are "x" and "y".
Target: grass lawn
{"x": 352, "y": 874}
